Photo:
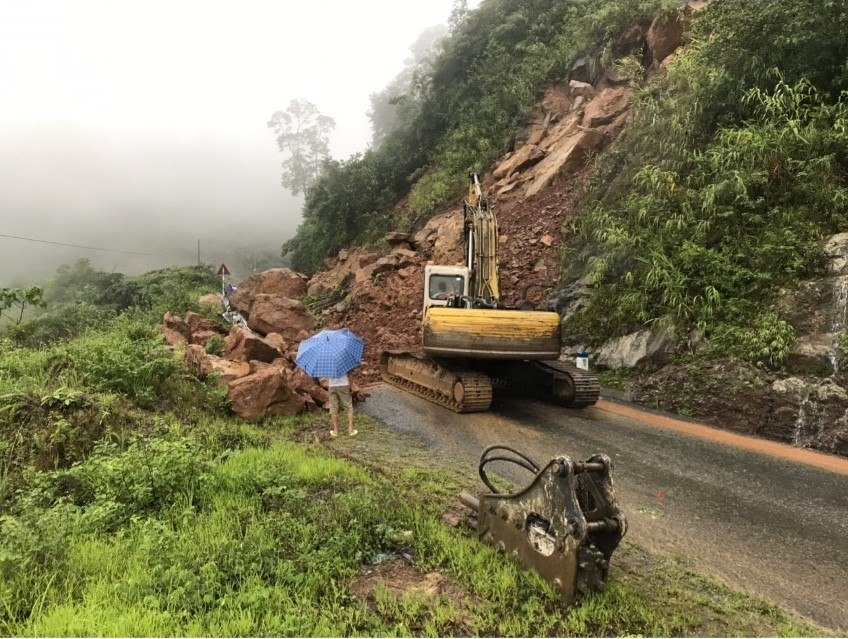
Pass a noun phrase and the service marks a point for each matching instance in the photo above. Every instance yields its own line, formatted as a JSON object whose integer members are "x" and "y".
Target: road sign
{"x": 223, "y": 270}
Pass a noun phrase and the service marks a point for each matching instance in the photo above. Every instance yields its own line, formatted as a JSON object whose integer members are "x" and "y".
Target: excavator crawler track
{"x": 548, "y": 380}
{"x": 585, "y": 387}
{"x": 461, "y": 391}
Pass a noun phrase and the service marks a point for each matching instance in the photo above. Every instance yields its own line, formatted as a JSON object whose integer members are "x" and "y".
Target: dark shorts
{"x": 340, "y": 395}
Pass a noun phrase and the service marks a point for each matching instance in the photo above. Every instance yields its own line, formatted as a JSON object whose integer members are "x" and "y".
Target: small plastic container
{"x": 582, "y": 360}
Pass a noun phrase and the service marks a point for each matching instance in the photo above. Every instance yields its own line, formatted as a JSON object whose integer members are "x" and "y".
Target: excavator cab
{"x": 445, "y": 285}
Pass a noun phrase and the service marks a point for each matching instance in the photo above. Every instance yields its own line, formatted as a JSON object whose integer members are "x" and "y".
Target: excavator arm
{"x": 481, "y": 246}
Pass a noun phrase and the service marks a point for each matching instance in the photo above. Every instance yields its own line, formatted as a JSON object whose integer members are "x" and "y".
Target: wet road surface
{"x": 764, "y": 517}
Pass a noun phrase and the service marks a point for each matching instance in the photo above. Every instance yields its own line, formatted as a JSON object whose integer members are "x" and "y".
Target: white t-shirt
{"x": 338, "y": 381}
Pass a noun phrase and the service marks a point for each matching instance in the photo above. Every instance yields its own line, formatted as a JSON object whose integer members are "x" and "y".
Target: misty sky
{"x": 142, "y": 126}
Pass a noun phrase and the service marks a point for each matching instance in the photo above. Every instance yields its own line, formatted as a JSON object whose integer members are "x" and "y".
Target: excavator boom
{"x": 481, "y": 244}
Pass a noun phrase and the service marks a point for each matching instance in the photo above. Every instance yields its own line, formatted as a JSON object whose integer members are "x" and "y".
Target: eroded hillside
{"x": 796, "y": 394}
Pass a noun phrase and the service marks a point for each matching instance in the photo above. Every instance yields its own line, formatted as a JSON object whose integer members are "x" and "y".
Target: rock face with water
{"x": 805, "y": 404}
{"x": 818, "y": 311}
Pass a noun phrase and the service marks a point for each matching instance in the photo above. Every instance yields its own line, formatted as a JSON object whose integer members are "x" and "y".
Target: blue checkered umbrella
{"x": 330, "y": 353}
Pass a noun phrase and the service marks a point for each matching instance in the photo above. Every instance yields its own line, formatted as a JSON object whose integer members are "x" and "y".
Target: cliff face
{"x": 533, "y": 190}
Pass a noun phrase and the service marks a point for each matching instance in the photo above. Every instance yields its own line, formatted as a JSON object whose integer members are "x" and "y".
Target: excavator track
{"x": 585, "y": 387}
{"x": 548, "y": 380}
{"x": 461, "y": 391}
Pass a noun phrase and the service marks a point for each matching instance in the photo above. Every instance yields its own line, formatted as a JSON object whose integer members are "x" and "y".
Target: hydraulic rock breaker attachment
{"x": 565, "y": 524}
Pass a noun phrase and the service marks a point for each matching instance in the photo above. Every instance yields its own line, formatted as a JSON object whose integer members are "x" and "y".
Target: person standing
{"x": 339, "y": 389}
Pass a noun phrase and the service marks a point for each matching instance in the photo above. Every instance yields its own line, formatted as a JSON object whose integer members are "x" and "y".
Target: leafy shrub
{"x": 65, "y": 322}
{"x": 765, "y": 343}
{"x": 723, "y": 187}
{"x": 215, "y": 345}
{"x": 129, "y": 360}
{"x": 711, "y": 241}
{"x": 14, "y": 302}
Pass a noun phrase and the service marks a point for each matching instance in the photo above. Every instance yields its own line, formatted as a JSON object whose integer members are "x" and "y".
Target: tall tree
{"x": 303, "y": 134}
{"x": 13, "y": 302}
{"x": 398, "y": 101}
{"x": 458, "y": 15}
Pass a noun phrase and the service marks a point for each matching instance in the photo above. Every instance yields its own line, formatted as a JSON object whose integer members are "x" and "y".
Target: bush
{"x": 215, "y": 345}
{"x": 764, "y": 343}
{"x": 130, "y": 361}
{"x": 65, "y": 322}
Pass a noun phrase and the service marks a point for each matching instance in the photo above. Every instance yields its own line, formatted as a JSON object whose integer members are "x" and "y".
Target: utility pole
{"x": 198, "y": 252}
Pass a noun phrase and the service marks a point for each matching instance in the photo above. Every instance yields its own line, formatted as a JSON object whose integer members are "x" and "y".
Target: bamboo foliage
{"x": 706, "y": 237}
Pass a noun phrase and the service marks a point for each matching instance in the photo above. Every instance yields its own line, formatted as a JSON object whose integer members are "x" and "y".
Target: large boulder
{"x": 243, "y": 346}
{"x": 445, "y": 231}
{"x": 567, "y": 157}
{"x": 401, "y": 240}
{"x": 526, "y": 156}
{"x": 228, "y": 371}
{"x": 583, "y": 89}
{"x": 265, "y": 393}
{"x": 308, "y": 386}
{"x": 175, "y": 330}
{"x": 637, "y": 348}
{"x": 630, "y": 42}
{"x": 197, "y": 323}
{"x": 282, "y": 282}
{"x": 277, "y": 314}
{"x": 200, "y": 364}
{"x": 665, "y": 35}
{"x": 606, "y": 107}
{"x": 346, "y": 266}
{"x": 279, "y": 342}
{"x": 425, "y": 238}
{"x": 666, "y": 32}
{"x": 202, "y": 337}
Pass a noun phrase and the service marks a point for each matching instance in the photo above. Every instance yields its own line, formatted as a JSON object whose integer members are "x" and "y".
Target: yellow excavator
{"x": 472, "y": 341}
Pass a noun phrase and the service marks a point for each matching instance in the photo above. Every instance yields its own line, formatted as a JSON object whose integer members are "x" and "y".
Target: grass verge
{"x": 230, "y": 529}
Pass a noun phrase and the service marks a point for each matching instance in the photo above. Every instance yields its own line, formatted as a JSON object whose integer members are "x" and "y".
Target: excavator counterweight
{"x": 491, "y": 334}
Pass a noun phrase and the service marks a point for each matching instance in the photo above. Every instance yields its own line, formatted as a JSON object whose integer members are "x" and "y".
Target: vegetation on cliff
{"x": 722, "y": 189}
{"x": 716, "y": 197}
{"x": 459, "y": 113}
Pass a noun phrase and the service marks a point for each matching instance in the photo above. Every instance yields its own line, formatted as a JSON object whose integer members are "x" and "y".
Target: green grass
{"x": 181, "y": 520}
{"x": 265, "y": 536}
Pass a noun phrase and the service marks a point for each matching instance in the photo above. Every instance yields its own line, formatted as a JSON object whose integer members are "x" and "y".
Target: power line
{"x": 90, "y": 248}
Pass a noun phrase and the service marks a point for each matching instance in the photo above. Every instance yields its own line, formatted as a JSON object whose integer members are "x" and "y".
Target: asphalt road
{"x": 773, "y": 526}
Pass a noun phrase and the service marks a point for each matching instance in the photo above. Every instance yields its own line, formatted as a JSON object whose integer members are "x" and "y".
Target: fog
{"x": 140, "y": 127}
